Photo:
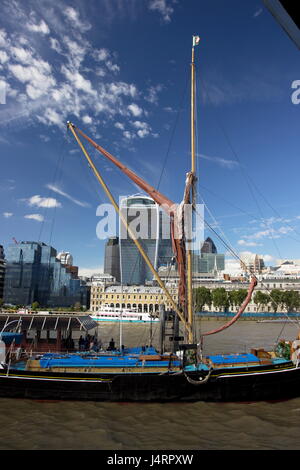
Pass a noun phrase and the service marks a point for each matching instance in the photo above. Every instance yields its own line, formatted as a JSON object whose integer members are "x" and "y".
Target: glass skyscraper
{"x": 112, "y": 258}
{"x": 151, "y": 228}
{"x": 209, "y": 260}
{"x": 34, "y": 274}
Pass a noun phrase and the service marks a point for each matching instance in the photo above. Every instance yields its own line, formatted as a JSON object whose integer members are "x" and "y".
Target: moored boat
{"x": 112, "y": 314}
{"x": 179, "y": 371}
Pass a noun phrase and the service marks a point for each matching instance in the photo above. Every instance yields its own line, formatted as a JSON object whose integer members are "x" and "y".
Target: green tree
{"x": 276, "y": 297}
{"x": 232, "y": 298}
{"x": 241, "y": 296}
{"x": 202, "y": 296}
{"x": 35, "y": 305}
{"x": 261, "y": 299}
{"x": 237, "y": 297}
{"x": 291, "y": 300}
{"x": 220, "y": 298}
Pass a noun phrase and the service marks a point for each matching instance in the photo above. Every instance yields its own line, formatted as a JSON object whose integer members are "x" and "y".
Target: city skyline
{"x": 60, "y": 62}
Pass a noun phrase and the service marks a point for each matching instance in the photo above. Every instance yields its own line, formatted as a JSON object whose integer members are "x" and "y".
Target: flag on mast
{"x": 196, "y": 40}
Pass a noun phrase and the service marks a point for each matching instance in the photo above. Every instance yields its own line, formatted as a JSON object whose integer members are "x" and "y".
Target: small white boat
{"x": 109, "y": 314}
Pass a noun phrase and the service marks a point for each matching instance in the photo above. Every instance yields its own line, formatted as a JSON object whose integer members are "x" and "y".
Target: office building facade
{"x": 34, "y": 274}
{"x": 209, "y": 260}
{"x": 151, "y": 228}
{"x": 112, "y": 258}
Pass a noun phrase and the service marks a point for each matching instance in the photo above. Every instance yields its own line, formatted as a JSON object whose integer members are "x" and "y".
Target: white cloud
{"x": 135, "y": 110}
{"x": 50, "y": 94}
{"x": 244, "y": 255}
{"x": 248, "y": 243}
{"x": 54, "y": 44}
{"x": 232, "y": 267}
{"x": 3, "y": 57}
{"x": 39, "y": 201}
{"x": 169, "y": 109}
{"x": 230, "y": 164}
{"x": 22, "y": 55}
{"x": 3, "y": 38}
{"x": 76, "y": 51}
{"x": 268, "y": 258}
{"x": 51, "y": 117}
{"x": 78, "y": 80}
{"x": 39, "y": 28}
{"x": 88, "y": 272}
{"x": 140, "y": 125}
{"x": 112, "y": 67}
{"x": 87, "y": 119}
{"x": 122, "y": 88}
{"x": 143, "y": 128}
{"x": 152, "y": 95}
{"x": 7, "y": 214}
{"x": 67, "y": 196}
{"x": 101, "y": 54}
{"x": 119, "y": 125}
{"x": 37, "y": 75}
{"x": 73, "y": 17}
{"x": 258, "y": 12}
{"x": 128, "y": 135}
{"x": 37, "y": 217}
{"x": 163, "y": 8}
{"x": 269, "y": 233}
{"x": 142, "y": 133}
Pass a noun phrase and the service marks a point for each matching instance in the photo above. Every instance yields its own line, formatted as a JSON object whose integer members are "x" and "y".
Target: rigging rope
{"x": 173, "y": 132}
{"x": 232, "y": 251}
{"x": 241, "y": 167}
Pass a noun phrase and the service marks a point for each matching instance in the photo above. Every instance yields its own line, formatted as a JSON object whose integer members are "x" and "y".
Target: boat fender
{"x": 201, "y": 380}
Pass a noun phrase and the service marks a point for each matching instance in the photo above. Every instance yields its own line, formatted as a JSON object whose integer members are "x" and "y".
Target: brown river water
{"x": 42, "y": 425}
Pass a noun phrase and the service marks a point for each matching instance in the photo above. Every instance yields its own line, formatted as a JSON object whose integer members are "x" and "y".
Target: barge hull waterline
{"x": 222, "y": 386}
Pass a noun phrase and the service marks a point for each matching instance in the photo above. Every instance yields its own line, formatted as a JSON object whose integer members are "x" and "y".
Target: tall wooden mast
{"x": 193, "y": 170}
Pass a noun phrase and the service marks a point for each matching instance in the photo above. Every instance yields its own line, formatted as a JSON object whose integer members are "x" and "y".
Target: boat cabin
{"x": 45, "y": 332}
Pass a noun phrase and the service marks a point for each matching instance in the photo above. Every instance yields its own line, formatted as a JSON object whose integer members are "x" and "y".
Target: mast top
{"x": 196, "y": 40}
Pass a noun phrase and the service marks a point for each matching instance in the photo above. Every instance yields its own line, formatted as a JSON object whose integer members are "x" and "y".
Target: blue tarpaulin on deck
{"x": 8, "y": 338}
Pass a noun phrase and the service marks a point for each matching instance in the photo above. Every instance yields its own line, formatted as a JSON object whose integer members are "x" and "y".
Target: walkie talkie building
{"x": 151, "y": 227}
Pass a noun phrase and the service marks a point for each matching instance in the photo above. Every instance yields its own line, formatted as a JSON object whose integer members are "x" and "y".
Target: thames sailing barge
{"x": 145, "y": 374}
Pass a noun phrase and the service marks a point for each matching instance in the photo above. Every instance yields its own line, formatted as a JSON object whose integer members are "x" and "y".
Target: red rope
{"x": 240, "y": 312}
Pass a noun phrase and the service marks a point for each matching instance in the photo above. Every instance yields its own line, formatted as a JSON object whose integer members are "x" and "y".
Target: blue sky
{"x": 119, "y": 69}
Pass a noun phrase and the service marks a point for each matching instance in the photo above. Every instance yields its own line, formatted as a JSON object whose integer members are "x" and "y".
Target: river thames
{"x": 44, "y": 425}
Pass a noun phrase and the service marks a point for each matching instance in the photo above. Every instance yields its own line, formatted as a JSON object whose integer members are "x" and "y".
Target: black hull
{"x": 223, "y": 385}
